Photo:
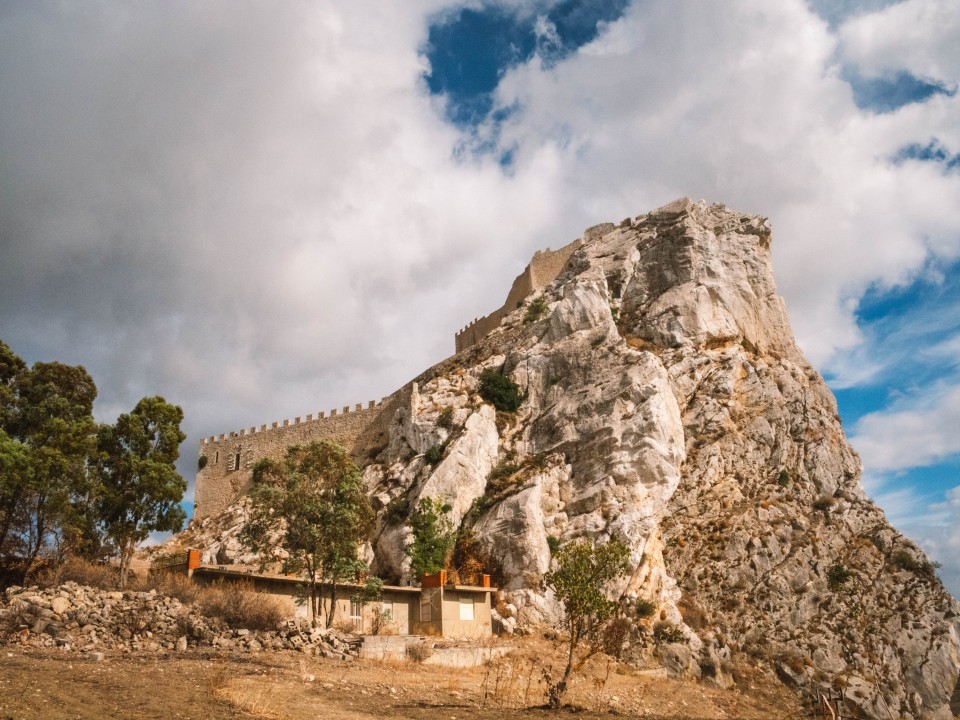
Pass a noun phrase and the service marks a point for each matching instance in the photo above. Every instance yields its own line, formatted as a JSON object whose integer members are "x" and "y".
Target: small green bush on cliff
{"x": 499, "y": 390}
{"x": 536, "y": 310}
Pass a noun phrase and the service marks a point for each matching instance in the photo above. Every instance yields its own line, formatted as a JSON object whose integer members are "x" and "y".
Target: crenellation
{"x": 542, "y": 270}
{"x": 228, "y": 471}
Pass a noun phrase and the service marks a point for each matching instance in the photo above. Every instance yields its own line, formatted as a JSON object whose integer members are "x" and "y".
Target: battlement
{"x": 225, "y": 467}
{"x": 310, "y": 418}
{"x": 539, "y": 273}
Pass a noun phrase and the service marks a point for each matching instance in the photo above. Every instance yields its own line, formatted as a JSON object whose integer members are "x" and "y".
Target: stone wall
{"x": 230, "y": 457}
{"x": 542, "y": 270}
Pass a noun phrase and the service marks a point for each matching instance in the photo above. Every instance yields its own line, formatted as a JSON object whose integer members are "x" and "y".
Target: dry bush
{"x": 174, "y": 585}
{"x": 418, "y": 652}
{"x": 80, "y": 571}
{"x": 239, "y": 605}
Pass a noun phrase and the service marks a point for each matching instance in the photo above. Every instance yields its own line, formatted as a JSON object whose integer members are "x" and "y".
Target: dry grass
{"x": 240, "y": 606}
{"x": 80, "y": 571}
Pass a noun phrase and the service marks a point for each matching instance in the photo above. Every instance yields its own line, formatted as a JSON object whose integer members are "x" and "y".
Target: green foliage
{"x": 433, "y": 537}
{"x": 445, "y": 418}
{"x": 906, "y": 561}
{"x": 202, "y": 462}
{"x": 499, "y": 390}
{"x": 783, "y": 479}
{"x": 371, "y": 591}
{"x": 666, "y": 634}
{"x": 644, "y": 608}
{"x": 397, "y": 509}
{"x": 553, "y": 543}
{"x": 579, "y": 581}
{"x": 47, "y": 438}
{"x": 838, "y": 576}
{"x": 536, "y": 310}
{"x": 140, "y": 490}
{"x": 312, "y": 507}
{"x": 434, "y": 454}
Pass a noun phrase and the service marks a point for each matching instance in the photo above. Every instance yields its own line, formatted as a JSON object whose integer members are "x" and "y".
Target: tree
{"x": 311, "y": 513}
{"x": 139, "y": 488}
{"x": 433, "y": 537}
{"x": 48, "y": 439}
{"x": 582, "y": 572}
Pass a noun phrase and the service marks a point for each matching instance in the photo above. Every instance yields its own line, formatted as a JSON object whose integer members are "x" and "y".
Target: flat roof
{"x": 244, "y": 572}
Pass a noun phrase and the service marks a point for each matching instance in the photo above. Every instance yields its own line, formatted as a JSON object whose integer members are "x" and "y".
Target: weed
{"x": 644, "y": 608}
{"x": 445, "y": 419}
{"x": 536, "y": 310}
{"x": 435, "y": 454}
{"x": 418, "y": 652}
{"x": 837, "y": 576}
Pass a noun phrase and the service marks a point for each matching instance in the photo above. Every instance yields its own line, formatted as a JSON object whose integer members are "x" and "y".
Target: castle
{"x": 226, "y": 461}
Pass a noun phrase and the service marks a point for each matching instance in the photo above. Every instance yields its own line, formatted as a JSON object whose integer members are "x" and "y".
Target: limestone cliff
{"x": 666, "y": 404}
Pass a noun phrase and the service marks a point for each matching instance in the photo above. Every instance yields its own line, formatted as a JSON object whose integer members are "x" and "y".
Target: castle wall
{"x": 362, "y": 430}
{"x": 542, "y": 270}
{"x": 230, "y": 457}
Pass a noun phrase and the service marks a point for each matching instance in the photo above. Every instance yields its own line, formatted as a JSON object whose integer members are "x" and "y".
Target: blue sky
{"x": 266, "y": 211}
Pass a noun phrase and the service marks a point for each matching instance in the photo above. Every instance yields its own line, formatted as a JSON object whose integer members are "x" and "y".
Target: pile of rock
{"x": 80, "y": 618}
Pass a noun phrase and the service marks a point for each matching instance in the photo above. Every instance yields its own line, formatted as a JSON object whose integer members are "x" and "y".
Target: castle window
{"x": 216, "y": 458}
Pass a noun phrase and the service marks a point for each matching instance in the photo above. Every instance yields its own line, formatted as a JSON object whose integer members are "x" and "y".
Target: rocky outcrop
{"x": 667, "y": 405}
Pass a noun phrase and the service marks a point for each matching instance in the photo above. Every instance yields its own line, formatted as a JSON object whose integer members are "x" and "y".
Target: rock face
{"x": 667, "y": 405}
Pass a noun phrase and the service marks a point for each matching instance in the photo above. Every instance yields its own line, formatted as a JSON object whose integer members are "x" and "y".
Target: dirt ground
{"x": 57, "y": 685}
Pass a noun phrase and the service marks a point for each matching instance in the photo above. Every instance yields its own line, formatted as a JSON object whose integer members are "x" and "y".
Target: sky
{"x": 262, "y": 210}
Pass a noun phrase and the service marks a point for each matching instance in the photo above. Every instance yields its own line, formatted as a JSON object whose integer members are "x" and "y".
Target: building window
{"x": 426, "y": 606}
{"x": 466, "y": 607}
{"x": 216, "y": 458}
{"x": 356, "y": 615}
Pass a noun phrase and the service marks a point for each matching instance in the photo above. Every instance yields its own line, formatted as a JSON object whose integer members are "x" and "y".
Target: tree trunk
{"x": 126, "y": 555}
{"x": 333, "y": 604}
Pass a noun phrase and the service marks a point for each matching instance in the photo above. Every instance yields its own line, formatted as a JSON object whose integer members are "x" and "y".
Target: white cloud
{"x": 940, "y": 538}
{"x": 258, "y": 211}
{"x": 920, "y": 434}
{"x": 920, "y": 36}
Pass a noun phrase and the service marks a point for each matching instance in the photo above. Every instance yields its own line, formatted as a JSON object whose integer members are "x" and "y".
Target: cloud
{"x": 918, "y": 36}
{"x": 262, "y": 211}
{"x": 920, "y": 434}
{"x": 940, "y": 538}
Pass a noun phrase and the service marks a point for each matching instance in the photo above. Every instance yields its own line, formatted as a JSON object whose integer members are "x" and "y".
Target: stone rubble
{"x": 82, "y": 619}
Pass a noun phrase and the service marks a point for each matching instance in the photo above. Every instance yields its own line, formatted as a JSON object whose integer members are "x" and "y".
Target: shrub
{"x": 418, "y": 652}
{"x": 80, "y": 571}
{"x": 665, "y": 634}
{"x": 906, "y": 561}
{"x": 536, "y": 310}
{"x": 445, "y": 418}
{"x": 202, "y": 462}
{"x": 174, "y": 585}
{"x": 823, "y": 503}
{"x": 838, "y": 576}
{"x": 434, "y": 455}
{"x": 397, "y": 509}
{"x": 644, "y": 608}
{"x": 499, "y": 390}
{"x": 553, "y": 543}
{"x": 784, "y": 478}
{"x": 240, "y": 606}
